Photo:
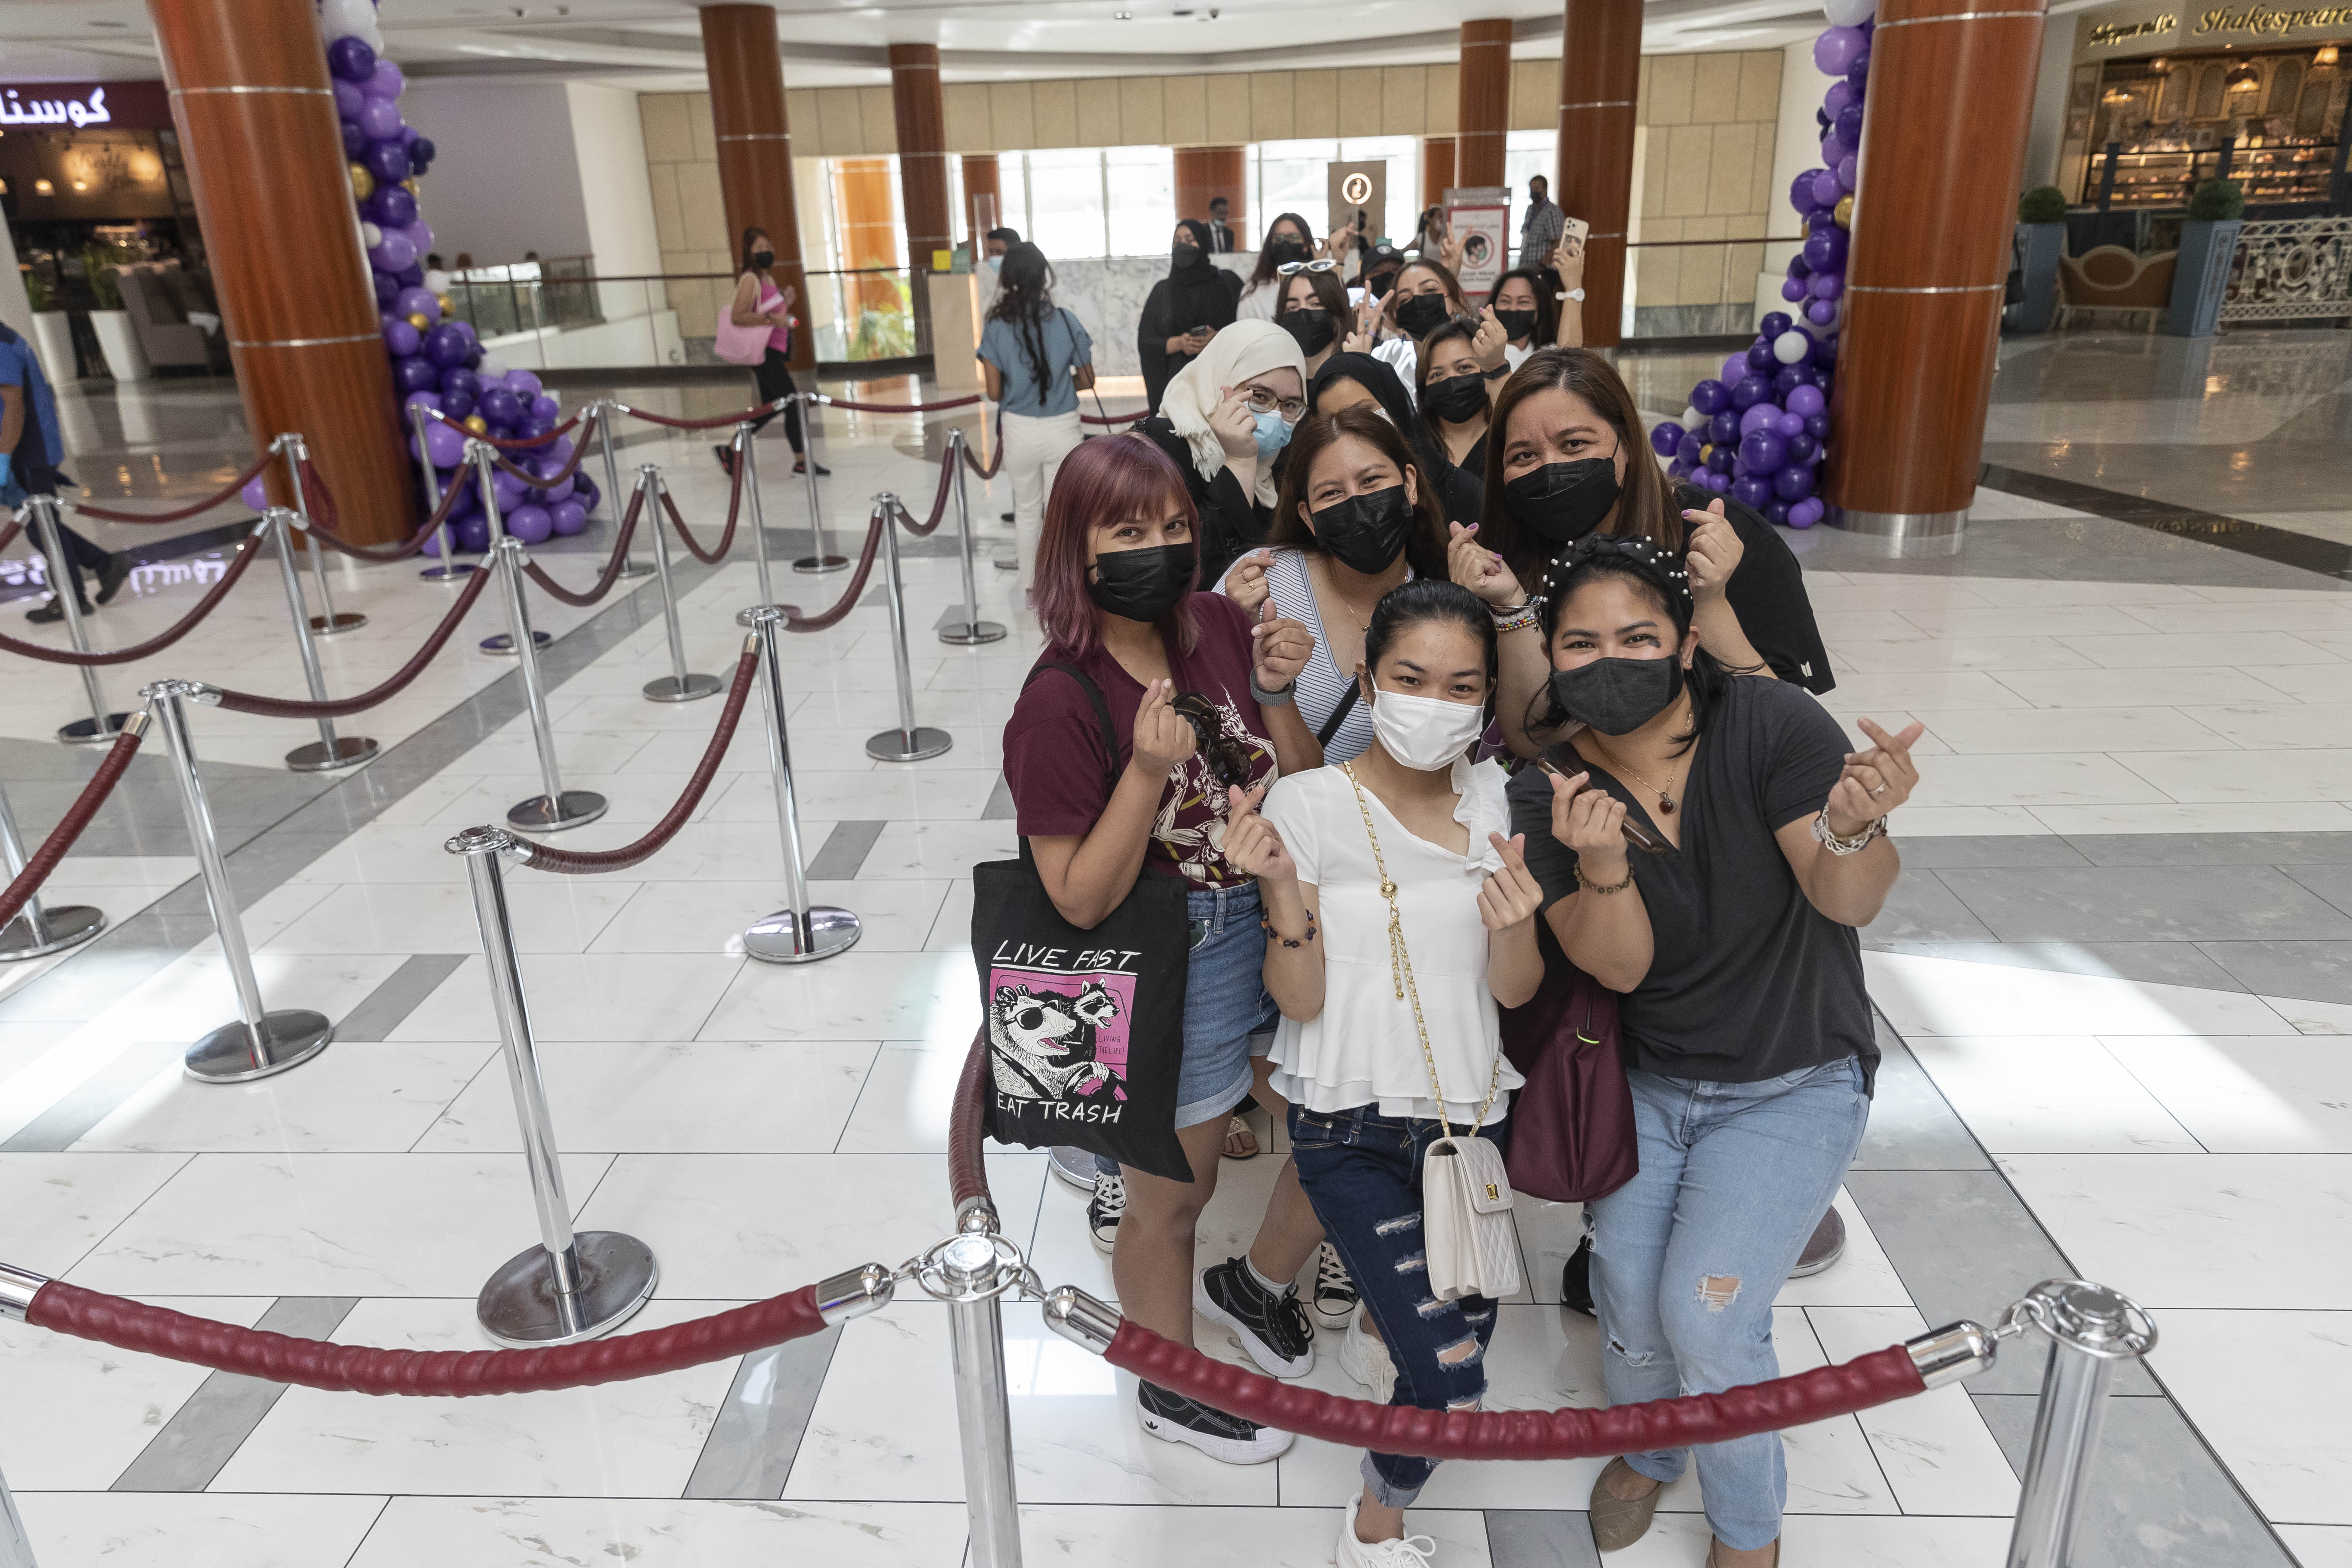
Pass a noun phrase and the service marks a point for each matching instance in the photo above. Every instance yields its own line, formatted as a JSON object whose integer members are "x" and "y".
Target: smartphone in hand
{"x": 1636, "y": 834}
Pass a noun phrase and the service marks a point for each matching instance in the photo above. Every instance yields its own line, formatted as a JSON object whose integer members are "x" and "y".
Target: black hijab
{"x": 1198, "y": 293}
{"x": 1457, "y": 491}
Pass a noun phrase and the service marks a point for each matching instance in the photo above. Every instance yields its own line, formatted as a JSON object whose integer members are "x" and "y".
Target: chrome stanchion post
{"x": 823, "y": 560}
{"x": 677, "y": 686}
{"x": 482, "y": 458}
{"x": 604, "y": 409}
{"x": 451, "y": 568}
{"x": 16, "y": 1546}
{"x": 2090, "y": 1330}
{"x": 748, "y": 460}
{"x": 37, "y": 931}
{"x": 973, "y": 1271}
{"x": 46, "y": 527}
{"x": 575, "y": 1285}
{"x": 907, "y": 743}
{"x": 329, "y": 750}
{"x": 260, "y": 1042}
{"x": 972, "y": 629}
{"x": 800, "y": 931}
{"x": 327, "y": 623}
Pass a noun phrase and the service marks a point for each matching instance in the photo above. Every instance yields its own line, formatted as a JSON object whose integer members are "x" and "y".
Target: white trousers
{"x": 1034, "y": 449}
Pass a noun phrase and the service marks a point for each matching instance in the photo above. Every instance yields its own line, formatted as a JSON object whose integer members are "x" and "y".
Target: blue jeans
{"x": 1361, "y": 1170}
{"x": 1687, "y": 1257}
{"x": 1225, "y": 1001}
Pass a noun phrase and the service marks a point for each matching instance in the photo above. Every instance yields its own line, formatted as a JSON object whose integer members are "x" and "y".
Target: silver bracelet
{"x": 1282, "y": 698}
{"x": 1853, "y": 846}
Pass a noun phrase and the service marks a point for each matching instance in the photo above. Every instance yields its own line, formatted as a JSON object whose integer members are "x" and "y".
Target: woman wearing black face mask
{"x": 1747, "y": 1036}
{"x": 1359, "y": 380}
{"x": 1287, "y": 242}
{"x": 1427, "y": 297}
{"x": 1566, "y": 458}
{"x": 1455, "y": 387}
{"x": 1184, "y": 308}
{"x": 1522, "y": 302}
{"x": 760, "y": 302}
{"x": 1199, "y": 698}
{"x": 1315, "y": 311}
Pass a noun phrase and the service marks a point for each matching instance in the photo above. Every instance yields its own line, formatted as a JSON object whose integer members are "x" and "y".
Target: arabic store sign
{"x": 79, "y": 105}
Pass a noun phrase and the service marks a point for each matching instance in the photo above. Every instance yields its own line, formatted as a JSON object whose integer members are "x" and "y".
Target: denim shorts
{"x": 1227, "y": 1013}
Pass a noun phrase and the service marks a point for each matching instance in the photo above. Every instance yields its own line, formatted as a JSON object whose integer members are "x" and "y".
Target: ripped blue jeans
{"x": 1687, "y": 1257}
{"x": 1361, "y": 1170}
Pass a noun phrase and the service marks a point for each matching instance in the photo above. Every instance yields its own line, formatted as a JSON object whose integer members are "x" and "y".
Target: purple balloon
{"x": 1849, "y": 171}
{"x": 508, "y": 490}
{"x": 1805, "y": 402}
{"x": 388, "y": 161}
{"x": 1666, "y": 440}
{"x": 474, "y": 534}
{"x": 1802, "y": 448}
{"x": 1710, "y": 397}
{"x": 416, "y": 301}
{"x": 412, "y": 275}
{"x": 1717, "y": 482}
{"x": 255, "y": 494}
{"x": 1735, "y": 368}
{"x": 1840, "y": 94}
{"x": 1826, "y": 189}
{"x": 444, "y": 345}
{"x": 393, "y": 252}
{"x": 1820, "y": 312}
{"x": 1757, "y": 413}
{"x": 1818, "y": 219}
{"x": 1825, "y": 354}
{"x": 460, "y": 379}
{"x": 456, "y": 405}
{"x": 1774, "y": 325}
{"x": 1719, "y": 459}
{"x": 468, "y": 326}
{"x": 429, "y": 399}
{"x": 355, "y": 141}
{"x": 1763, "y": 452}
{"x": 1751, "y": 390}
{"x": 1759, "y": 356}
{"x": 1776, "y": 512}
{"x": 399, "y": 338}
{"x": 1749, "y": 490}
{"x": 497, "y": 405}
{"x": 1793, "y": 483}
{"x": 531, "y": 523}
{"x": 390, "y": 207}
{"x": 1799, "y": 267}
{"x": 522, "y": 383}
{"x": 569, "y": 516}
{"x": 349, "y": 98}
{"x": 1827, "y": 285}
{"x": 443, "y": 443}
{"x": 1806, "y": 513}
{"x": 420, "y": 235}
{"x": 387, "y": 288}
{"x": 1790, "y": 423}
{"x": 380, "y": 118}
{"x": 527, "y": 428}
{"x": 560, "y": 489}
{"x": 422, "y": 153}
{"x": 432, "y": 545}
{"x": 1687, "y": 451}
{"x": 1825, "y": 247}
{"x": 1817, "y": 425}
{"x": 1837, "y": 49}
{"x": 1858, "y": 73}
{"x": 542, "y": 407}
{"x": 1792, "y": 290}
{"x": 1723, "y": 428}
{"x": 413, "y": 375}
{"x": 1848, "y": 122}
{"x": 1801, "y": 190}
{"x": 349, "y": 59}
{"x": 1790, "y": 377}
{"x": 385, "y": 82}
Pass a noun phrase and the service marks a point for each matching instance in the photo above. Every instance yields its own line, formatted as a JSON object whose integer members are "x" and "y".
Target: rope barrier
{"x": 1137, "y": 418}
{"x": 967, "y": 1171}
{"x": 742, "y": 417}
{"x": 247, "y": 553}
{"x": 895, "y": 408}
{"x": 391, "y": 687}
{"x": 797, "y": 622}
{"x": 515, "y": 444}
{"x": 325, "y": 520}
{"x": 996, "y": 464}
{"x": 578, "y": 452}
{"x": 107, "y": 514}
{"x": 578, "y": 863}
{"x": 612, "y": 568}
{"x": 938, "y": 502}
{"x": 734, "y": 500}
{"x": 93, "y": 794}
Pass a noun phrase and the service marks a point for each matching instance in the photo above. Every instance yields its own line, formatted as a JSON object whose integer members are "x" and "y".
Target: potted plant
{"x": 117, "y": 339}
{"x": 2208, "y": 241}
{"x": 52, "y": 330}
{"x": 2040, "y": 241}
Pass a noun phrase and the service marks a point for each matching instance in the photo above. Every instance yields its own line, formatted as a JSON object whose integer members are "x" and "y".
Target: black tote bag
{"x": 1086, "y": 1028}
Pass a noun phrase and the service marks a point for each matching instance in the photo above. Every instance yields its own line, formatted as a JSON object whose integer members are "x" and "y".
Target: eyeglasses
{"x": 1226, "y": 757}
{"x": 1292, "y": 269}
{"x": 1261, "y": 401}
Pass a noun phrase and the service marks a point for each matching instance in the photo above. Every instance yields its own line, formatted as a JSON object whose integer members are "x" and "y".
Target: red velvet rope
{"x": 393, "y": 685}
{"x": 757, "y": 411}
{"x": 186, "y": 512}
{"x": 611, "y": 572}
{"x": 994, "y": 464}
{"x": 903, "y": 408}
{"x": 62, "y": 838}
{"x": 246, "y": 551}
{"x": 967, "y": 1171}
{"x": 364, "y": 1369}
{"x": 579, "y": 451}
{"x": 580, "y": 863}
{"x": 1874, "y": 1379}
{"x": 1137, "y": 418}
{"x": 797, "y": 622}
{"x": 712, "y": 557}
{"x": 517, "y": 444}
{"x": 930, "y": 524}
{"x": 325, "y": 521}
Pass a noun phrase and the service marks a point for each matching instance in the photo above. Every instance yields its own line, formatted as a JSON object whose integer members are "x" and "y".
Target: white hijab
{"x": 1240, "y": 353}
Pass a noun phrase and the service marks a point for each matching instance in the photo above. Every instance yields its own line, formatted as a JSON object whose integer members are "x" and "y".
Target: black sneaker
{"x": 1104, "y": 1210}
{"x": 116, "y": 572}
{"x": 1575, "y": 1278}
{"x": 800, "y": 466}
{"x": 51, "y": 613}
{"x": 1823, "y": 1247}
{"x": 1334, "y": 1305}
{"x": 1172, "y": 1418}
{"x": 1273, "y": 1329}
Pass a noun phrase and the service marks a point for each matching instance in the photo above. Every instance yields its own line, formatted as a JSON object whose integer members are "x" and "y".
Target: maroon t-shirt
{"x": 1061, "y": 780}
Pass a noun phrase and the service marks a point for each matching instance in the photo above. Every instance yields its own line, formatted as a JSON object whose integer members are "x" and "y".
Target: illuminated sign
{"x": 76, "y": 112}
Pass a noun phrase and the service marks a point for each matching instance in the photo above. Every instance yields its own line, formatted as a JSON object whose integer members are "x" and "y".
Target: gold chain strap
{"x": 1401, "y": 973}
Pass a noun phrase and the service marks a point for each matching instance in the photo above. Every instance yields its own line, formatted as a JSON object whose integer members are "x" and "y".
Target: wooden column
{"x": 922, "y": 120}
{"x": 755, "y": 148}
{"x": 1485, "y": 103}
{"x": 1205, "y": 172}
{"x": 1436, "y": 169}
{"x": 1950, "y": 97}
{"x": 257, "y": 128}
{"x": 1600, "y": 74}
{"x": 980, "y": 179}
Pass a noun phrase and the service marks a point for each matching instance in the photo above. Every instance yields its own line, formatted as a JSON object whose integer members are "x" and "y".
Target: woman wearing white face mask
{"x": 1399, "y": 920}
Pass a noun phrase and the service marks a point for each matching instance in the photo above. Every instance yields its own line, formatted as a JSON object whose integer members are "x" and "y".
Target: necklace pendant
{"x": 1666, "y": 805}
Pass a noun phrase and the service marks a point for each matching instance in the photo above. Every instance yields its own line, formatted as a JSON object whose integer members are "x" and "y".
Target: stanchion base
{"x": 449, "y": 574}
{"x": 86, "y": 732}
{"x": 907, "y": 745}
{"x": 971, "y": 634}
{"x": 520, "y": 1309}
{"x": 633, "y": 567}
{"x": 777, "y": 938}
{"x": 68, "y": 925}
{"x": 671, "y": 688}
{"x": 504, "y": 643}
{"x": 575, "y": 808}
{"x": 318, "y": 757}
{"x": 344, "y": 621}
{"x": 816, "y": 564}
{"x": 289, "y": 1039}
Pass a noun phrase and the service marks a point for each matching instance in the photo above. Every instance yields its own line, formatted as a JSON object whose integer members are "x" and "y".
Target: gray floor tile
{"x": 384, "y": 1008}
{"x": 845, "y": 851}
{"x": 2156, "y": 1497}
{"x": 1943, "y": 853}
{"x": 2212, "y": 848}
{"x": 2333, "y": 883}
{"x": 2145, "y": 903}
{"x": 206, "y": 1433}
{"x": 1920, "y": 908}
{"x": 758, "y": 1431}
{"x": 2313, "y": 971}
{"x": 2162, "y": 962}
{"x": 1000, "y": 807}
{"x": 1911, "y": 1128}
{"x": 1524, "y": 1538}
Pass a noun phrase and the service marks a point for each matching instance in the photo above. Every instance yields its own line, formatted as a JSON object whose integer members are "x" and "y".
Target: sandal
{"x": 1618, "y": 1522}
{"x": 1238, "y": 1131}
{"x": 1711, "y": 1544}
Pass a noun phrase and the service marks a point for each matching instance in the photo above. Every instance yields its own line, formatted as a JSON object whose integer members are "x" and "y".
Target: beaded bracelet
{"x": 1265, "y": 924}
{"x": 1515, "y": 620}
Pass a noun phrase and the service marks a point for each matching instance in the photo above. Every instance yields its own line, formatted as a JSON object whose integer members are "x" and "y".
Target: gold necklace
{"x": 1665, "y": 797}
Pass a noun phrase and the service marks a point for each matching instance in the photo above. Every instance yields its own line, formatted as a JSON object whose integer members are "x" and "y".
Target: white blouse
{"x": 1363, "y": 1048}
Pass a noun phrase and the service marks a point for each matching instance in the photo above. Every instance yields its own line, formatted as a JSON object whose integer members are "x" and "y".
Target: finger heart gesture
{"x": 1510, "y": 896}
{"x": 1874, "y": 781}
{"x": 1252, "y": 843}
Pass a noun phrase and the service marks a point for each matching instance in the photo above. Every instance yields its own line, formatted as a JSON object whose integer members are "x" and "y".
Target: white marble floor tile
{"x": 1951, "y": 996}
{"x": 905, "y": 1105}
{"x": 1965, "y": 821}
{"x": 935, "y": 849}
{"x": 2192, "y": 648}
{"x": 194, "y": 993}
{"x": 930, "y": 997}
{"x": 2268, "y": 1389}
{"x": 711, "y": 916}
{"x": 1832, "y": 1541}
{"x": 104, "y": 1406}
{"x": 388, "y": 852}
{"x": 1978, "y": 730}
{"x": 2173, "y": 682}
{"x": 1938, "y": 655}
{"x": 2321, "y": 773}
{"x": 2265, "y": 726}
{"x": 2266, "y": 1095}
{"x": 576, "y": 996}
{"x": 2199, "y": 1230}
{"x": 2048, "y": 1094}
{"x": 560, "y": 1532}
{"x": 1297, "y": 1535}
{"x": 171, "y": 1530}
{"x": 680, "y": 1097}
{"x": 356, "y": 1097}
{"x": 2009, "y": 620}
{"x": 551, "y": 914}
{"x": 2034, "y": 779}
{"x": 2314, "y": 1017}
{"x": 1934, "y": 1447}
{"x": 58, "y": 1206}
{"x": 2287, "y": 817}
{"x": 618, "y": 1439}
{"x": 327, "y": 1224}
{"x": 2310, "y": 682}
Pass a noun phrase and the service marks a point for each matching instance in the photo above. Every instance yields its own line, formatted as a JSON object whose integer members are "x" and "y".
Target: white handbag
{"x": 1465, "y": 1195}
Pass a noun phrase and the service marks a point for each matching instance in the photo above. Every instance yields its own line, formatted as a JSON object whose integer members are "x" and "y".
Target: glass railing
{"x": 1700, "y": 287}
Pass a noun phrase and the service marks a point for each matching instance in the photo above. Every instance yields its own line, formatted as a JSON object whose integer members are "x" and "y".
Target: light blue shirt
{"x": 1066, "y": 344}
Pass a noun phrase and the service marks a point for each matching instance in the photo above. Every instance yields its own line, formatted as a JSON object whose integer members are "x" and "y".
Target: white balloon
{"x": 1849, "y": 13}
{"x": 346, "y": 18}
{"x": 1692, "y": 418}
{"x": 1792, "y": 347}
{"x": 436, "y": 281}
{"x": 492, "y": 368}
{"x": 370, "y": 236}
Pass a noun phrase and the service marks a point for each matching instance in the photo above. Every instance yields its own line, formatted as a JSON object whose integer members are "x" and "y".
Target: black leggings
{"x": 774, "y": 375}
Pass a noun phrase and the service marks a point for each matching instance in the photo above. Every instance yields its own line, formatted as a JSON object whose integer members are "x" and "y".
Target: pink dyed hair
{"x": 1106, "y": 480}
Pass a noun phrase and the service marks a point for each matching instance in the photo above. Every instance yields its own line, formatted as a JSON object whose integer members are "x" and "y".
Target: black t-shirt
{"x": 1768, "y": 594}
{"x": 1749, "y": 981}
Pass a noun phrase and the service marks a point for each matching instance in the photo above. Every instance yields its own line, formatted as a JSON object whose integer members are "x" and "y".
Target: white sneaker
{"x": 1366, "y": 1359}
{"x": 1413, "y": 1552}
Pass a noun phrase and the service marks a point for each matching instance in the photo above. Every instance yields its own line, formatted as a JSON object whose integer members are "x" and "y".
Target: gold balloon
{"x": 419, "y": 319}
{"x": 1705, "y": 450}
{"x": 411, "y": 184}
{"x": 363, "y": 182}
{"x": 1843, "y": 211}
{"x": 478, "y": 424}
{"x": 442, "y": 300}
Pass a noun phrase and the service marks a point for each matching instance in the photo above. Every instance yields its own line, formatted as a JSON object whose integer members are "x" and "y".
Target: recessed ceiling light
{"x": 1123, "y": 16}
{"x": 44, "y": 187}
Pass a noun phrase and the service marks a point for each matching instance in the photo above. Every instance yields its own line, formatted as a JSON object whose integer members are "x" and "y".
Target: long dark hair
{"x": 1462, "y": 327}
{"x": 1024, "y": 298}
{"x": 1646, "y": 508}
{"x": 1656, "y": 575}
{"x": 1408, "y": 604}
{"x": 1425, "y": 547}
{"x": 1265, "y": 262}
{"x": 1444, "y": 274}
{"x": 747, "y": 236}
{"x": 1546, "y": 326}
{"x": 1329, "y": 293}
